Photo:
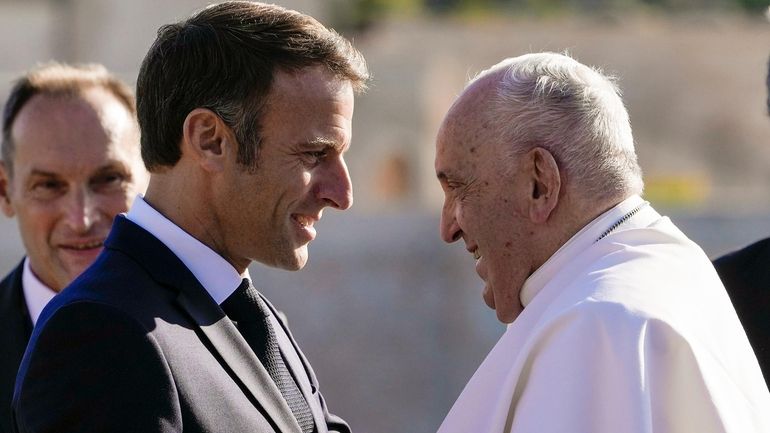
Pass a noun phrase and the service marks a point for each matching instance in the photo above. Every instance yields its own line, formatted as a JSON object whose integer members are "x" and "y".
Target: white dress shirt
{"x": 216, "y": 275}
{"x": 36, "y": 294}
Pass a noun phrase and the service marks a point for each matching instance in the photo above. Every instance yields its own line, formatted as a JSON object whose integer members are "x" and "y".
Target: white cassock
{"x": 630, "y": 333}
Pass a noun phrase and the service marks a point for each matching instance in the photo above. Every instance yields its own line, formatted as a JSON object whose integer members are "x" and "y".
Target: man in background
{"x": 70, "y": 162}
{"x": 617, "y": 321}
{"x": 746, "y": 276}
{"x": 245, "y": 111}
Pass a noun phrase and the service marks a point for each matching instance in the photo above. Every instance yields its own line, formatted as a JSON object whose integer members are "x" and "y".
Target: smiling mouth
{"x": 474, "y": 250}
{"x": 83, "y": 246}
{"x": 304, "y": 221}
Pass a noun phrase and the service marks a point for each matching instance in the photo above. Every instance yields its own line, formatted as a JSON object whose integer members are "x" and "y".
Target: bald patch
{"x": 469, "y": 119}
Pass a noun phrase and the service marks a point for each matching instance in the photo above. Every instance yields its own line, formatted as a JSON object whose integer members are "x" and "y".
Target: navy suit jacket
{"x": 746, "y": 276}
{"x": 15, "y": 329}
{"x": 136, "y": 344}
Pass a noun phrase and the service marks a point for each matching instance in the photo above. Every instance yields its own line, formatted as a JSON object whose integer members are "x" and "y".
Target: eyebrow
{"x": 325, "y": 142}
{"x": 107, "y": 167}
{"x": 43, "y": 173}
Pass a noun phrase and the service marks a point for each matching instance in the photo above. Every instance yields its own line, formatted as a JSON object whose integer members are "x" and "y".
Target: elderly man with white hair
{"x": 617, "y": 321}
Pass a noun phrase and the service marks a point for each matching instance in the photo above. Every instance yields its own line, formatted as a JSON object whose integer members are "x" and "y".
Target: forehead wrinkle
{"x": 110, "y": 164}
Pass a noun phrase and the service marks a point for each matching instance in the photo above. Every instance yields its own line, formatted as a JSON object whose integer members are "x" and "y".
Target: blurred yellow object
{"x": 680, "y": 190}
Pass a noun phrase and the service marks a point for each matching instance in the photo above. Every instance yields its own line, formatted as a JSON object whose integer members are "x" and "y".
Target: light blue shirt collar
{"x": 216, "y": 275}
{"x": 36, "y": 294}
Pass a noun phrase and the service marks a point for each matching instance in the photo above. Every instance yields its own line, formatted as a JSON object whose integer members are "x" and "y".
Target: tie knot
{"x": 244, "y": 304}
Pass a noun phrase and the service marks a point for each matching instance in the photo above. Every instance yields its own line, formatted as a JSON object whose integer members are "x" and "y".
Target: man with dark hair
{"x": 245, "y": 111}
{"x": 70, "y": 163}
{"x": 746, "y": 275}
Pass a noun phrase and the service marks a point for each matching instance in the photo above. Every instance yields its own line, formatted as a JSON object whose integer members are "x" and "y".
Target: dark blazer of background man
{"x": 746, "y": 276}
{"x": 245, "y": 111}
{"x": 70, "y": 163}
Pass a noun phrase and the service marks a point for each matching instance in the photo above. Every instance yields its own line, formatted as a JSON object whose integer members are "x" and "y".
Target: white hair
{"x": 574, "y": 111}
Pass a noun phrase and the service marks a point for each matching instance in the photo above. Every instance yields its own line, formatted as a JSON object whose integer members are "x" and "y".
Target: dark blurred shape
{"x": 359, "y": 15}
{"x": 753, "y": 5}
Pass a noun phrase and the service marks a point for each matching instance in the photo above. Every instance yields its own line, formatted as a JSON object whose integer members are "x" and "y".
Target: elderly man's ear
{"x": 546, "y": 184}
{"x": 5, "y": 184}
{"x": 207, "y": 139}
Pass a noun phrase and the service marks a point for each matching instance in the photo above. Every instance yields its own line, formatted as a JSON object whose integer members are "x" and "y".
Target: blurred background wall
{"x": 391, "y": 318}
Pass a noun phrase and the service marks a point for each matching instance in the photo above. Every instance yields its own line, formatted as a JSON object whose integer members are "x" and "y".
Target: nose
{"x": 450, "y": 229}
{"x": 336, "y": 188}
{"x": 81, "y": 211}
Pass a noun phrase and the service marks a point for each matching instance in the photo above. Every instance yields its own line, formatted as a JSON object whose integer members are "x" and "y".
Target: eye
{"x": 108, "y": 181}
{"x": 48, "y": 189}
{"x": 314, "y": 156}
{"x": 49, "y": 184}
{"x": 452, "y": 185}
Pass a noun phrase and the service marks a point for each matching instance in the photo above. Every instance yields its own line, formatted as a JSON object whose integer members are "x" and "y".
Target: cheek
{"x": 32, "y": 213}
{"x": 477, "y": 216}
{"x": 37, "y": 224}
{"x": 307, "y": 183}
{"x": 112, "y": 204}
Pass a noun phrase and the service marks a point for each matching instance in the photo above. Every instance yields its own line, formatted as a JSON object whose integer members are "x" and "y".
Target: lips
{"x": 474, "y": 250}
{"x": 305, "y": 224}
{"x": 304, "y": 220}
{"x": 78, "y": 255}
{"x": 82, "y": 246}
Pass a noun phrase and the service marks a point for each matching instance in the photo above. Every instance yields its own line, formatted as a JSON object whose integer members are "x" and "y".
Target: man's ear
{"x": 5, "y": 185}
{"x": 207, "y": 139}
{"x": 546, "y": 184}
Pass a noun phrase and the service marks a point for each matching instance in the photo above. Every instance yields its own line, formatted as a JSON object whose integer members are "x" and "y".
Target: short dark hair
{"x": 58, "y": 80}
{"x": 223, "y": 59}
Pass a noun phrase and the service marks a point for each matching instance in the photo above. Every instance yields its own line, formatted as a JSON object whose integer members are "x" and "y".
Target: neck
{"x": 165, "y": 192}
{"x": 569, "y": 217}
{"x": 183, "y": 198}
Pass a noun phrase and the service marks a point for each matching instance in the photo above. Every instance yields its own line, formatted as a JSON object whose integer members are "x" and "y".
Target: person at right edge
{"x": 746, "y": 276}
{"x": 617, "y": 321}
{"x": 245, "y": 113}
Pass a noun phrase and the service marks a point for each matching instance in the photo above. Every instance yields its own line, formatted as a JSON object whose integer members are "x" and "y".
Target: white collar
{"x": 589, "y": 234}
{"x": 36, "y": 294}
{"x": 216, "y": 275}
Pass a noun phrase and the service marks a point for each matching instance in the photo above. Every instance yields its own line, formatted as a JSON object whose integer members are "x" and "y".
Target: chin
{"x": 506, "y": 317}
{"x": 294, "y": 261}
{"x": 300, "y": 263}
{"x": 508, "y": 313}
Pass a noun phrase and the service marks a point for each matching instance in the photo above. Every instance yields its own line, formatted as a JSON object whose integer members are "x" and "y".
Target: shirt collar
{"x": 575, "y": 245}
{"x": 36, "y": 294}
{"x": 216, "y": 275}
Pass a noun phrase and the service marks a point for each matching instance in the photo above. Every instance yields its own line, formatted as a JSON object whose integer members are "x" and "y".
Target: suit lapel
{"x": 300, "y": 368}
{"x": 169, "y": 271}
{"x": 14, "y": 334}
{"x": 16, "y": 323}
{"x": 13, "y": 309}
{"x": 239, "y": 357}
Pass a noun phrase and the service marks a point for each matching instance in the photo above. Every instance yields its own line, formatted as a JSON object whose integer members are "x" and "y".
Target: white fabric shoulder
{"x": 631, "y": 333}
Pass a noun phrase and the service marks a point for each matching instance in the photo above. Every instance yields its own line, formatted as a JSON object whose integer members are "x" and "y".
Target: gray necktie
{"x": 248, "y": 310}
